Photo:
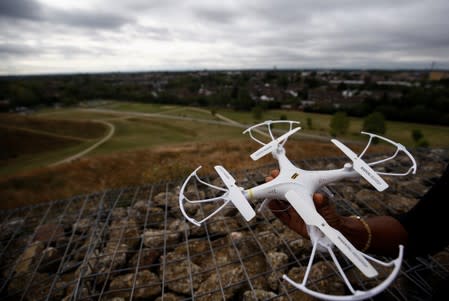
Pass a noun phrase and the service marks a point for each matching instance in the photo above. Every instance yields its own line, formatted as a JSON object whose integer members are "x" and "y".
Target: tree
{"x": 418, "y": 138}
{"x": 22, "y": 95}
{"x": 417, "y": 135}
{"x": 374, "y": 123}
{"x": 309, "y": 123}
{"x": 339, "y": 124}
{"x": 257, "y": 112}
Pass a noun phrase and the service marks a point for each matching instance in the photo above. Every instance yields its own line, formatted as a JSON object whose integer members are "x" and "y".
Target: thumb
{"x": 320, "y": 200}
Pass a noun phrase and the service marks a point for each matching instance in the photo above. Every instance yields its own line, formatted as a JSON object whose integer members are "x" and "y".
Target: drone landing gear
{"x": 354, "y": 293}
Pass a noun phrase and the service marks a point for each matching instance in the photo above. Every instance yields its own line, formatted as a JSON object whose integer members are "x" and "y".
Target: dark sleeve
{"x": 427, "y": 223}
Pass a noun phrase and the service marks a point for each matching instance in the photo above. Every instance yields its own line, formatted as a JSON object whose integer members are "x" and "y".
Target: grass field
{"x": 150, "y": 142}
{"x": 437, "y": 136}
{"x": 142, "y": 132}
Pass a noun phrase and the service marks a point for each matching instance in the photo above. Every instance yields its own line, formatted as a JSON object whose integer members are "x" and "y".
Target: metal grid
{"x": 132, "y": 244}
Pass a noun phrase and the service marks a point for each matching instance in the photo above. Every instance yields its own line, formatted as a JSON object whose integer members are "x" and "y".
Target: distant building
{"x": 292, "y": 93}
{"x": 266, "y": 98}
{"x": 347, "y": 93}
{"x": 204, "y": 91}
{"x": 395, "y": 83}
{"x": 438, "y": 75}
{"x": 347, "y": 82}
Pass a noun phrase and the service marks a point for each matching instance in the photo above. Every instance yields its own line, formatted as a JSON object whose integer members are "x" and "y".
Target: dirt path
{"x": 223, "y": 120}
{"x": 92, "y": 147}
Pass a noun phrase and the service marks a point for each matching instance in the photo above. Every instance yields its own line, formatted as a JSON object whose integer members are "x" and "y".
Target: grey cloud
{"x": 149, "y": 32}
{"x": 216, "y": 15}
{"x": 87, "y": 19}
{"x": 15, "y": 49}
{"x": 19, "y": 10}
{"x": 149, "y": 5}
{"x": 24, "y": 9}
{"x": 262, "y": 33}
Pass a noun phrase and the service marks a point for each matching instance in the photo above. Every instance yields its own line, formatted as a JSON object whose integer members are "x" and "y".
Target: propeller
{"x": 268, "y": 148}
{"x": 362, "y": 168}
{"x": 312, "y": 218}
{"x": 235, "y": 194}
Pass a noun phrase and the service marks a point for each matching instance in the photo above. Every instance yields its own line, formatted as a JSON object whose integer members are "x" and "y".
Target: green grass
{"x": 192, "y": 113}
{"x": 437, "y": 136}
{"x": 138, "y": 133}
{"x": 75, "y": 114}
{"x": 137, "y": 107}
{"x": 173, "y": 110}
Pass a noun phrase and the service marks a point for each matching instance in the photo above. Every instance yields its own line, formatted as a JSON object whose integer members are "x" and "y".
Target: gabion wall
{"x": 133, "y": 244}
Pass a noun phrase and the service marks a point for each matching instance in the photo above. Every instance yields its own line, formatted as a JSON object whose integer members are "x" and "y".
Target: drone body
{"x": 297, "y": 186}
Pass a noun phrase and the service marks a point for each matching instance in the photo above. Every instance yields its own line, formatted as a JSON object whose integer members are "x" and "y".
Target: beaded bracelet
{"x": 368, "y": 230}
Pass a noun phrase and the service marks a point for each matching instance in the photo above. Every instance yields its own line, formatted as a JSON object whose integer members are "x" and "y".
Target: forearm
{"x": 386, "y": 234}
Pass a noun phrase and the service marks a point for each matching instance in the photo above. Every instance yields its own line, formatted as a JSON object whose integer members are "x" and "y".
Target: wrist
{"x": 356, "y": 230}
{"x": 368, "y": 232}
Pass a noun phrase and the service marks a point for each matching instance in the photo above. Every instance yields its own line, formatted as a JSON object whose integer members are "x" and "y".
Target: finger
{"x": 320, "y": 200}
{"x": 268, "y": 179}
{"x": 275, "y": 173}
{"x": 277, "y": 205}
{"x": 277, "y": 208}
{"x": 296, "y": 222}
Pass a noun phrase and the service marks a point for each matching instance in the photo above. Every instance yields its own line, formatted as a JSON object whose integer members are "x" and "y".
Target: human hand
{"x": 288, "y": 215}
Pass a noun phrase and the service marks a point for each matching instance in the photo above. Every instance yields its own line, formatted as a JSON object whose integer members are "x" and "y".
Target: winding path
{"x": 127, "y": 114}
{"x": 92, "y": 147}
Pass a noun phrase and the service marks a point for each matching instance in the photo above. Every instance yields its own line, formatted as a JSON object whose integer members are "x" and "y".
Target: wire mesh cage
{"x": 133, "y": 244}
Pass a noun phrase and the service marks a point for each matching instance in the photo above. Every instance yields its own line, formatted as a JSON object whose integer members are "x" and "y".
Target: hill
{"x": 151, "y": 143}
{"x": 140, "y": 167}
{"x": 26, "y": 138}
{"x": 23, "y": 135}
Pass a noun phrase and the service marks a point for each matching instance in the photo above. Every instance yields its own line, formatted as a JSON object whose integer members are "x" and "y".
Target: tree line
{"x": 427, "y": 103}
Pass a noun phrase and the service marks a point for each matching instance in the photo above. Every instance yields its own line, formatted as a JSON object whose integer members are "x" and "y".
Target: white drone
{"x": 297, "y": 187}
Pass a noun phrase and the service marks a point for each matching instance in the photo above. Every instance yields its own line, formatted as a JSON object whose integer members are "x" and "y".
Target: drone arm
{"x": 399, "y": 148}
{"x": 321, "y": 178}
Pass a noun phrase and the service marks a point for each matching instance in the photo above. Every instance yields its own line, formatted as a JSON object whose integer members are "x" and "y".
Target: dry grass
{"x": 23, "y": 135}
{"x": 71, "y": 128}
{"x": 17, "y": 142}
{"x": 91, "y": 174}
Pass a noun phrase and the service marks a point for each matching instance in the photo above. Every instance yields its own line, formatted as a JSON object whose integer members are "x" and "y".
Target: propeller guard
{"x": 365, "y": 169}
{"x": 275, "y": 142}
{"x": 399, "y": 148}
{"x": 269, "y": 125}
{"x": 183, "y": 197}
{"x": 354, "y": 293}
{"x": 231, "y": 194}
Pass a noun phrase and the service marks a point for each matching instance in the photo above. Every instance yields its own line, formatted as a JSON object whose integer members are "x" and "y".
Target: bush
{"x": 257, "y": 112}
{"x": 309, "y": 123}
{"x": 339, "y": 124}
{"x": 422, "y": 143}
{"x": 375, "y": 123}
{"x": 417, "y": 135}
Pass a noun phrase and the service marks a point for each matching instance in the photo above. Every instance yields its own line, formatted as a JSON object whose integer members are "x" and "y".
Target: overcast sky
{"x": 63, "y": 36}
